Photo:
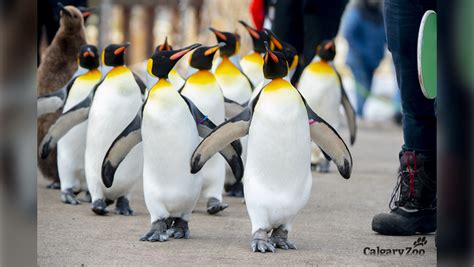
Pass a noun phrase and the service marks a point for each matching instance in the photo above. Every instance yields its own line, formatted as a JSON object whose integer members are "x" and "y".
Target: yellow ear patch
{"x": 149, "y": 65}
{"x": 294, "y": 63}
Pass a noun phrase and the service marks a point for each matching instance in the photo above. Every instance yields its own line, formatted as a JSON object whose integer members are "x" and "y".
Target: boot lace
{"x": 398, "y": 198}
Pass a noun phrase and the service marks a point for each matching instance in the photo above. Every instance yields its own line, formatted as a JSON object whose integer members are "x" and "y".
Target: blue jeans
{"x": 402, "y": 20}
{"x": 363, "y": 76}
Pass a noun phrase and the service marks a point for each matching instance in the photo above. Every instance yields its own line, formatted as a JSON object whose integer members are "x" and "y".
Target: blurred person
{"x": 363, "y": 28}
{"x": 304, "y": 24}
{"x": 413, "y": 201}
{"x": 48, "y": 20}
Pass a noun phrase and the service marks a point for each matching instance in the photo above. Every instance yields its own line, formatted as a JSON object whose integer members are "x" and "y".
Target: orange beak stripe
{"x": 276, "y": 43}
{"x": 86, "y": 14}
{"x": 179, "y": 54}
{"x": 273, "y": 56}
{"x": 220, "y": 35}
{"x": 119, "y": 50}
{"x": 329, "y": 45}
{"x": 211, "y": 50}
{"x": 253, "y": 33}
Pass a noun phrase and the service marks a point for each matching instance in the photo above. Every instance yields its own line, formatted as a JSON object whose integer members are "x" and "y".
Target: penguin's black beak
{"x": 183, "y": 51}
{"x": 121, "y": 49}
{"x": 64, "y": 9}
{"x": 220, "y": 35}
{"x": 213, "y": 49}
{"x": 253, "y": 32}
{"x": 274, "y": 39}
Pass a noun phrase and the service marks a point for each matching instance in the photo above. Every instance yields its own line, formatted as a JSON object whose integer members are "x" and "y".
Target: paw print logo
{"x": 421, "y": 241}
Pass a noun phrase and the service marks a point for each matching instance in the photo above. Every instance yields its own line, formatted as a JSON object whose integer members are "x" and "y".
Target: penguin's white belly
{"x": 211, "y": 103}
{"x": 115, "y": 105}
{"x": 253, "y": 70}
{"x": 277, "y": 178}
{"x": 71, "y": 147}
{"x": 169, "y": 138}
{"x": 323, "y": 95}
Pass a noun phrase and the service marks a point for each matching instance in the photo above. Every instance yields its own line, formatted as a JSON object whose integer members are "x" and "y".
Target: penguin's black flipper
{"x": 54, "y": 101}
{"x": 230, "y": 151}
{"x": 140, "y": 83}
{"x": 229, "y": 131}
{"x": 232, "y": 108}
{"x": 348, "y": 109}
{"x": 121, "y": 146}
{"x": 329, "y": 141}
{"x": 66, "y": 122}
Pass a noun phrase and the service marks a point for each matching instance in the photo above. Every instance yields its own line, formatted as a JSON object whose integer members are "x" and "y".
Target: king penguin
{"x": 204, "y": 91}
{"x": 290, "y": 53}
{"x": 237, "y": 87}
{"x": 277, "y": 179}
{"x": 109, "y": 108}
{"x": 234, "y": 84}
{"x": 169, "y": 126}
{"x": 252, "y": 64}
{"x": 58, "y": 66}
{"x": 175, "y": 78}
{"x": 71, "y": 147}
{"x": 322, "y": 87}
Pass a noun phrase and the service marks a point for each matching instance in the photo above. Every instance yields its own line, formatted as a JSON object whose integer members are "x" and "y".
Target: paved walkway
{"x": 333, "y": 228}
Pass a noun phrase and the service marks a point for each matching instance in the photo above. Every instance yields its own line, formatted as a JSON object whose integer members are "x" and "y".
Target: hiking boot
{"x": 413, "y": 202}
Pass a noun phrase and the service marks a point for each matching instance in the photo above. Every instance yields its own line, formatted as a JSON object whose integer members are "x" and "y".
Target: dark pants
{"x": 402, "y": 20}
{"x": 305, "y": 24}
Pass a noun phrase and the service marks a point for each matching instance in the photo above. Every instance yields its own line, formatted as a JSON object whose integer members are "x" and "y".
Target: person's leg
{"x": 363, "y": 81}
{"x": 413, "y": 203}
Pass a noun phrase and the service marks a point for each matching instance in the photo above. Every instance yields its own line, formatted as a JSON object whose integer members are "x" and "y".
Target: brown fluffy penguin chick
{"x": 57, "y": 66}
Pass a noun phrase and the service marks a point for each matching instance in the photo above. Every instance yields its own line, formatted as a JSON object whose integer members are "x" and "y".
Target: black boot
{"x": 413, "y": 202}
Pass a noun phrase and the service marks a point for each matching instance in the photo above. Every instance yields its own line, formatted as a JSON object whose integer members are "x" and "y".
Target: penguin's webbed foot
{"x": 157, "y": 232}
{"x": 279, "y": 239}
{"x": 69, "y": 197}
{"x": 260, "y": 242}
{"x": 236, "y": 190}
{"x": 179, "y": 229}
{"x": 54, "y": 185}
{"x": 214, "y": 205}
{"x": 99, "y": 207}
{"x": 123, "y": 207}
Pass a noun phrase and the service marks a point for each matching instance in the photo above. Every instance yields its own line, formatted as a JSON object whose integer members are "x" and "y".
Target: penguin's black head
{"x": 88, "y": 57}
{"x": 274, "y": 64}
{"x": 164, "y": 46}
{"x": 162, "y": 62}
{"x": 114, "y": 55}
{"x": 287, "y": 49}
{"x": 258, "y": 38}
{"x": 202, "y": 57}
{"x": 71, "y": 18}
{"x": 231, "y": 40}
{"x": 326, "y": 50}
